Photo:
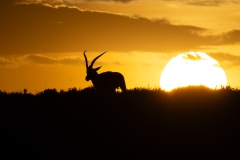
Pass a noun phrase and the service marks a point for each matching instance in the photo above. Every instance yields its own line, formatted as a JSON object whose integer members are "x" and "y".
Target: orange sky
{"x": 42, "y": 41}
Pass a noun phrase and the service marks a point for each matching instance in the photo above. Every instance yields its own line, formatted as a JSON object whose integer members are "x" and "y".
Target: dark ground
{"x": 192, "y": 122}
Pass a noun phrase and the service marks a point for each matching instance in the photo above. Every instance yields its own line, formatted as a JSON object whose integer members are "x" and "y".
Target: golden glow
{"x": 192, "y": 68}
{"x": 44, "y": 48}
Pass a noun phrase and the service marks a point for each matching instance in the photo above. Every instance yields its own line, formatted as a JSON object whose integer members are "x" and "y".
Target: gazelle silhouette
{"x": 106, "y": 81}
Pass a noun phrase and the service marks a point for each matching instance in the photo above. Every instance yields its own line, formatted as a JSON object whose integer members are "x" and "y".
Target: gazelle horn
{"x": 86, "y": 59}
{"x": 96, "y": 59}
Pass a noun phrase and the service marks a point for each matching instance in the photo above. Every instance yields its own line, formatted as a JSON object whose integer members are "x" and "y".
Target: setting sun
{"x": 192, "y": 68}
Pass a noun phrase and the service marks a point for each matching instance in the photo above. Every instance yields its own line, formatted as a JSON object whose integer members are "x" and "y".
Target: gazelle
{"x": 106, "y": 81}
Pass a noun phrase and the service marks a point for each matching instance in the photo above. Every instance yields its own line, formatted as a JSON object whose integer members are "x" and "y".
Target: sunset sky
{"x": 42, "y": 41}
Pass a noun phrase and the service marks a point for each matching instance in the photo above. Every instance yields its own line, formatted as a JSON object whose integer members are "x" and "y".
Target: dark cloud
{"x": 227, "y": 60}
{"x": 206, "y": 2}
{"x": 231, "y": 37}
{"x": 8, "y": 3}
{"x": 34, "y": 28}
{"x": 44, "y": 60}
{"x": 70, "y": 2}
{"x": 193, "y": 57}
{"x": 121, "y": 1}
{"x": 5, "y": 5}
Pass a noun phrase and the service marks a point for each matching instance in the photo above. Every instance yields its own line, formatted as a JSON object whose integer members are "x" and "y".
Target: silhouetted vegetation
{"x": 191, "y": 122}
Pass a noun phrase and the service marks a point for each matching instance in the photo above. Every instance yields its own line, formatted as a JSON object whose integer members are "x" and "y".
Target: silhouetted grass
{"x": 190, "y": 122}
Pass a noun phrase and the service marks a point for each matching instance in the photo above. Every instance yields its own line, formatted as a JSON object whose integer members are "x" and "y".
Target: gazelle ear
{"x": 96, "y": 69}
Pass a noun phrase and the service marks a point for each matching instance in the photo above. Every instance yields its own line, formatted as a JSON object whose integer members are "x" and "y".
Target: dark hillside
{"x": 190, "y": 122}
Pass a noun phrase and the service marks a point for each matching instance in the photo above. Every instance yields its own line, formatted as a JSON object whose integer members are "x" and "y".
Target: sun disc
{"x": 192, "y": 68}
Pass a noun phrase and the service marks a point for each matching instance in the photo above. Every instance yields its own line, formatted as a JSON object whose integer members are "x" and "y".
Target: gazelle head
{"x": 91, "y": 72}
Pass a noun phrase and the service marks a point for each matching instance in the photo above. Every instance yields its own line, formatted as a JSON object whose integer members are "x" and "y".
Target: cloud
{"x": 40, "y": 59}
{"x": 206, "y": 2}
{"x": 231, "y": 37}
{"x": 69, "y": 2}
{"x": 188, "y": 2}
{"x": 227, "y": 60}
{"x": 192, "y": 56}
{"x": 44, "y": 60}
{"x": 119, "y": 1}
{"x": 5, "y": 62}
{"x": 71, "y": 61}
{"x": 35, "y": 28}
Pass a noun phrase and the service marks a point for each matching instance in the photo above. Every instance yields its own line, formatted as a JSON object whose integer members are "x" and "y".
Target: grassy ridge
{"x": 140, "y": 124}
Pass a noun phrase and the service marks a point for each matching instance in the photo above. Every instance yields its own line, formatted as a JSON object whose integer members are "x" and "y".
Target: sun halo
{"x": 192, "y": 68}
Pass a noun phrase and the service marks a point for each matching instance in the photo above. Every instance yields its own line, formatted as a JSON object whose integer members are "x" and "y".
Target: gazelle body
{"x": 106, "y": 81}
